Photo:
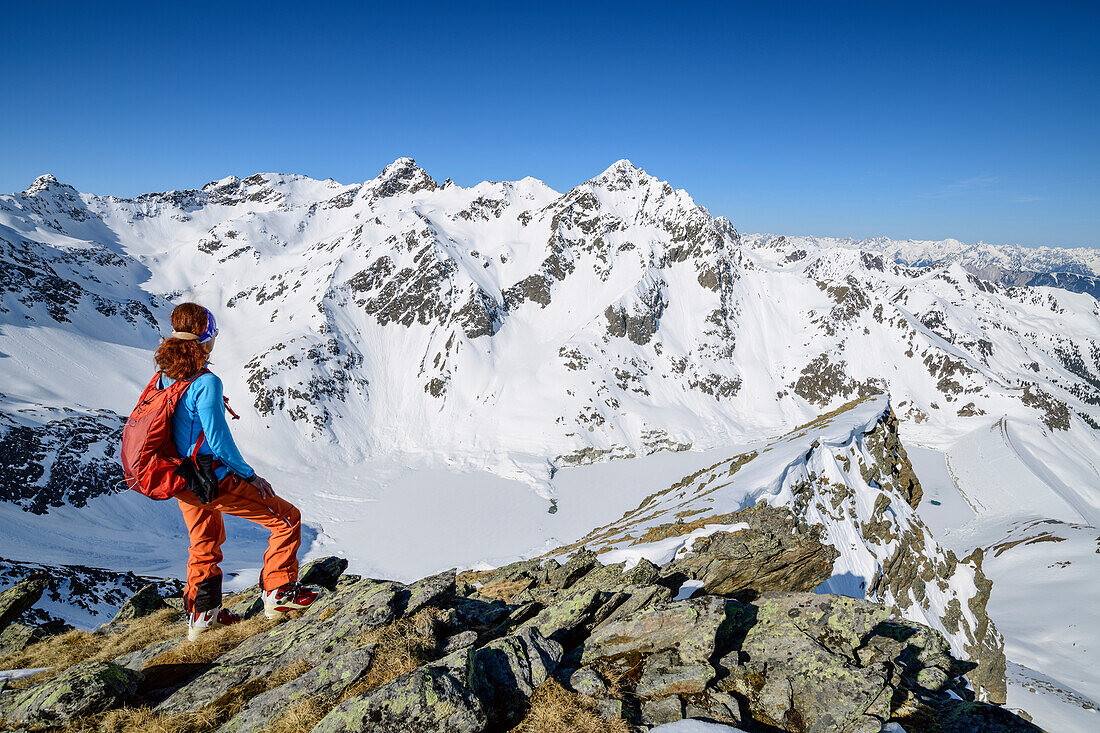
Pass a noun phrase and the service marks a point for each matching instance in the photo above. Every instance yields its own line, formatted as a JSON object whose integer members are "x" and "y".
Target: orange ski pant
{"x": 207, "y": 531}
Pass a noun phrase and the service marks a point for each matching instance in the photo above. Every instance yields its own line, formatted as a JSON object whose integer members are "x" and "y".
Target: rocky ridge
{"x": 617, "y": 643}
{"x": 844, "y": 477}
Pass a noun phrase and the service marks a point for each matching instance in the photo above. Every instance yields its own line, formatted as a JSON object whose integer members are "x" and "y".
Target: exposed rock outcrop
{"x": 17, "y": 599}
{"x": 445, "y": 655}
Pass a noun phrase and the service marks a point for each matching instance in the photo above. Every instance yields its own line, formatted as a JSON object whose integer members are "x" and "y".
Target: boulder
{"x": 430, "y": 699}
{"x": 959, "y": 716}
{"x": 776, "y": 552}
{"x": 576, "y": 567}
{"x": 663, "y": 674}
{"x": 14, "y": 601}
{"x": 324, "y": 572}
{"x": 713, "y": 705}
{"x": 639, "y": 598}
{"x": 461, "y": 640}
{"x": 90, "y": 687}
{"x": 587, "y": 681}
{"x": 142, "y": 603}
{"x": 249, "y": 605}
{"x": 505, "y": 672}
{"x": 659, "y": 712}
{"x": 18, "y": 637}
{"x": 800, "y": 668}
{"x": 324, "y": 684}
{"x": 566, "y": 621}
{"x": 136, "y": 660}
{"x": 435, "y": 590}
{"x": 689, "y": 627}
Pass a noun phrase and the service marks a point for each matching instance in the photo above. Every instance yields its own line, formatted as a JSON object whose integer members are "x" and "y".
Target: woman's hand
{"x": 262, "y": 485}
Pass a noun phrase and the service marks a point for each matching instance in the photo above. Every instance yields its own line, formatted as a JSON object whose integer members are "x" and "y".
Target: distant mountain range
{"x": 1070, "y": 269}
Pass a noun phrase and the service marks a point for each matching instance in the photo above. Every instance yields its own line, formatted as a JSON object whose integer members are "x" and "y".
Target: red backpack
{"x": 150, "y": 460}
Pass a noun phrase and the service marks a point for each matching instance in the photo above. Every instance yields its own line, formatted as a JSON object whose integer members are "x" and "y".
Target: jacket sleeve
{"x": 211, "y": 410}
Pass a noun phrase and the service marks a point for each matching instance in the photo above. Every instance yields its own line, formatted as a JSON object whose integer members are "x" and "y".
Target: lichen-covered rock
{"x": 19, "y": 597}
{"x": 665, "y": 710}
{"x": 505, "y": 672}
{"x": 689, "y": 627}
{"x": 313, "y": 638}
{"x": 775, "y": 552}
{"x": 250, "y": 604}
{"x": 663, "y": 674}
{"x": 807, "y": 662}
{"x": 959, "y": 716}
{"x": 19, "y": 636}
{"x": 142, "y": 603}
{"x": 324, "y": 572}
{"x": 86, "y": 688}
{"x": 435, "y": 590}
{"x": 566, "y": 621}
{"x": 427, "y": 700}
{"x": 322, "y": 684}
{"x": 579, "y": 564}
{"x": 136, "y": 660}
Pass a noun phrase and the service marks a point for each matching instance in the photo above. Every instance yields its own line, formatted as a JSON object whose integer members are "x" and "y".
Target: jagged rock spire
{"x": 401, "y": 176}
{"x": 45, "y": 183}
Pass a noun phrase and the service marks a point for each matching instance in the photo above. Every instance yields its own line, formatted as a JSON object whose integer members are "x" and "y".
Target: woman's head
{"x": 185, "y": 352}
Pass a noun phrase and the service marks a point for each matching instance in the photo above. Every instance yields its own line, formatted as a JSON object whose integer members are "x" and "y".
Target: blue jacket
{"x": 201, "y": 409}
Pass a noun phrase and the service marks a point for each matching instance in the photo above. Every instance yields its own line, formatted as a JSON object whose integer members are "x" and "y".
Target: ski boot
{"x": 288, "y": 597}
{"x": 200, "y": 621}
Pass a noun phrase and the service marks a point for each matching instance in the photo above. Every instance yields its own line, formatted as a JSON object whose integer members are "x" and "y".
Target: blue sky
{"x": 967, "y": 120}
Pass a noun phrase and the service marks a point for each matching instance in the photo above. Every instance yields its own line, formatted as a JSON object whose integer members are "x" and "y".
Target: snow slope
{"x": 1021, "y": 494}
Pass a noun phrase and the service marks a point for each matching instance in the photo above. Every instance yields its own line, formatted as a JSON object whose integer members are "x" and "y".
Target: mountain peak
{"x": 402, "y": 176}
{"x": 621, "y": 175}
{"x": 623, "y": 165}
{"x": 223, "y": 183}
{"x": 45, "y": 183}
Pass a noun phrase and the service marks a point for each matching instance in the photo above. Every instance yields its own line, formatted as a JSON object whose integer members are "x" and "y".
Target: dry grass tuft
{"x": 554, "y": 709}
{"x": 147, "y": 720}
{"x": 63, "y": 651}
{"x": 303, "y": 716}
{"x": 504, "y": 589}
{"x": 213, "y": 643}
{"x": 400, "y": 647}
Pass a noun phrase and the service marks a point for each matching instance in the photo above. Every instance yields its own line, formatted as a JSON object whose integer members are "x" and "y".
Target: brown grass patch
{"x": 213, "y": 643}
{"x": 555, "y": 709}
{"x": 303, "y": 716}
{"x": 147, "y": 720}
{"x": 400, "y": 647}
{"x": 65, "y": 650}
{"x": 504, "y": 589}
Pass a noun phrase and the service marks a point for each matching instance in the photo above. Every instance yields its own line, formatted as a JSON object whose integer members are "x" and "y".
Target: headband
{"x": 208, "y": 333}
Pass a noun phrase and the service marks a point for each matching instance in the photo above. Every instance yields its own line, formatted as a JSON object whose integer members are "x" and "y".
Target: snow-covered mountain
{"x": 511, "y": 327}
{"x": 508, "y": 333}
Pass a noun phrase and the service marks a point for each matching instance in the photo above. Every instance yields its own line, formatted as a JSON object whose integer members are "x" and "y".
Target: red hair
{"x": 181, "y": 359}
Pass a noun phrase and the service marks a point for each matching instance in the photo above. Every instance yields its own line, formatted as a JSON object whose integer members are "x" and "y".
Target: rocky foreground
{"x": 613, "y": 648}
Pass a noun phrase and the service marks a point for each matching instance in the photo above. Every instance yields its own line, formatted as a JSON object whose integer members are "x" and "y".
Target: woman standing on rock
{"x": 219, "y": 481}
